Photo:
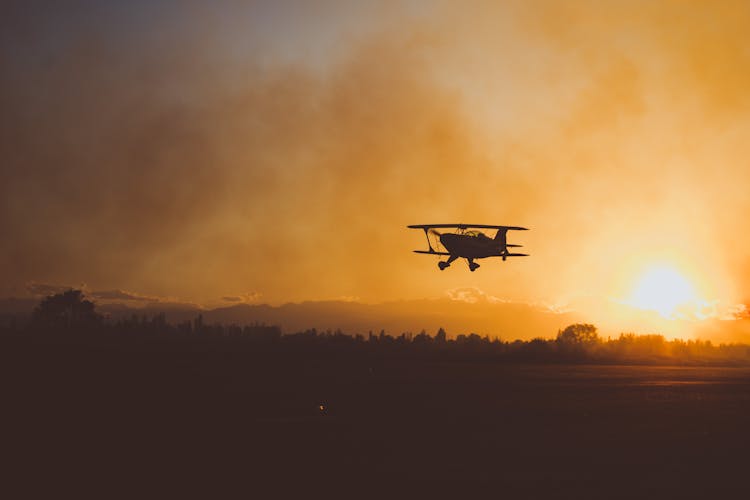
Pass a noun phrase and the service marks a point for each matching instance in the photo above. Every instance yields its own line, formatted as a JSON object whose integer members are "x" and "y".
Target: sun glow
{"x": 664, "y": 290}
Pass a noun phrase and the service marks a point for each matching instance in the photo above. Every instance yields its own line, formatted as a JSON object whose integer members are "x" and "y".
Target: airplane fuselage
{"x": 470, "y": 246}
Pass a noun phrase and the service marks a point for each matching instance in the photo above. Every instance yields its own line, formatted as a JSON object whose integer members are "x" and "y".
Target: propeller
{"x": 433, "y": 232}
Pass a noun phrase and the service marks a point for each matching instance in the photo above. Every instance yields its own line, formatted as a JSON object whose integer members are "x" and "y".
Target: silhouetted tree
{"x": 69, "y": 308}
{"x": 578, "y": 334}
{"x": 440, "y": 336}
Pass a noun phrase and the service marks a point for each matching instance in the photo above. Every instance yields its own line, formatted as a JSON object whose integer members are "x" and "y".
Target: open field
{"x": 150, "y": 417}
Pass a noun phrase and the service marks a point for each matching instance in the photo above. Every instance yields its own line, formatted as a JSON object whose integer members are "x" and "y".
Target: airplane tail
{"x": 501, "y": 237}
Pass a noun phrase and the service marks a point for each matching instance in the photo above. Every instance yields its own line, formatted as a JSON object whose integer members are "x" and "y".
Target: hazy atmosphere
{"x": 251, "y": 152}
{"x": 375, "y": 249}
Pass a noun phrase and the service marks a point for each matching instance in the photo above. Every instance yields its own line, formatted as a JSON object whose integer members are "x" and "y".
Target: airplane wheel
{"x": 442, "y": 265}
{"x": 472, "y": 269}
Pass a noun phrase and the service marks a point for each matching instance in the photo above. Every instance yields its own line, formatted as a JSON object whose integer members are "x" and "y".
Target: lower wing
{"x": 433, "y": 252}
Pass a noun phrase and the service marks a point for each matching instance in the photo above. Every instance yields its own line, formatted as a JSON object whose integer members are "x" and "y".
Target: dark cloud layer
{"x": 136, "y": 168}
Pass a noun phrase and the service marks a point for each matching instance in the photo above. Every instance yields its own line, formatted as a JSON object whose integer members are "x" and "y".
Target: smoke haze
{"x": 251, "y": 149}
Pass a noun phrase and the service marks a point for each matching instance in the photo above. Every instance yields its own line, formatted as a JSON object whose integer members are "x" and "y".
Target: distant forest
{"x": 69, "y": 318}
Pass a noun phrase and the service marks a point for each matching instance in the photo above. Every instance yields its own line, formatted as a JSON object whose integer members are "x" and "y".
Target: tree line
{"x": 69, "y": 315}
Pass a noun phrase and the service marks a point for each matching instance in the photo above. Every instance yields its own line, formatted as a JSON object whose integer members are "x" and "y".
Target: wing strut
{"x": 428, "y": 238}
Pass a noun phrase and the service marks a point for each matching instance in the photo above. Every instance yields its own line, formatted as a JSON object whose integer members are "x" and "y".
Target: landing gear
{"x": 443, "y": 264}
{"x": 472, "y": 265}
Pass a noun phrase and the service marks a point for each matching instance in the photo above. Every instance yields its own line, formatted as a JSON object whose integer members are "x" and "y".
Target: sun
{"x": 664, "y": 290}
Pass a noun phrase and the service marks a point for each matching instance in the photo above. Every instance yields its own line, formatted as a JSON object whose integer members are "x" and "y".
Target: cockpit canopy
{"x": 477, "y": 234}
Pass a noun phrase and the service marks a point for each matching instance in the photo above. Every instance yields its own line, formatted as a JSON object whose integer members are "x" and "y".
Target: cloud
{"x": 114, "y": 295}
{"x": 348, "y": 298}
{"x": 179, "y": 161}
{"x": 473, "y": 295}
{"x": 139, "y": 300}
{"x": 735, "y": 312}
{"x": 246, "y": 298}
{"x": 39, "y": 290}
{"x": 44, "y": 289}
{"x": 553, "y": 308}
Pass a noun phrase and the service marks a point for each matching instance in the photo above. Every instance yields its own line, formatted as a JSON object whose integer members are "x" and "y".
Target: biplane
{"x": 466, "y": 241}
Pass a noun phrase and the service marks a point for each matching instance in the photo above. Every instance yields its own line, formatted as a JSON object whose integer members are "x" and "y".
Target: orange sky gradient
{"x": 277, "y": 153}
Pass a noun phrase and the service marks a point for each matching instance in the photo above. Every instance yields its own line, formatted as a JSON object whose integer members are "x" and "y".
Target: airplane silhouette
{"x": 469, "y": 244}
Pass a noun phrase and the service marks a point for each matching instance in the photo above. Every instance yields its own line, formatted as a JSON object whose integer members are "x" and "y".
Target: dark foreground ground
{"x": 161, "y": 420}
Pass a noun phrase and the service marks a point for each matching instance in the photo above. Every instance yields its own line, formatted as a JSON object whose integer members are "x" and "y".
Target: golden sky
{"x": 277, "y": 151}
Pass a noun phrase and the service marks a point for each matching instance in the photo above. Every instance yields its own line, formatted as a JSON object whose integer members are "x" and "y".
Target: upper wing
{"x": 465, "y": 226}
